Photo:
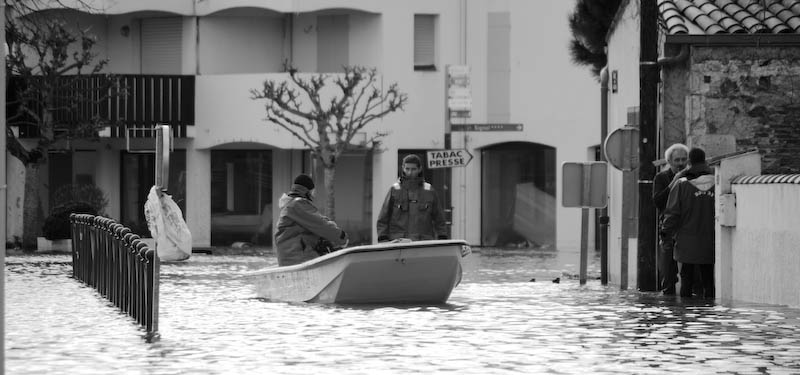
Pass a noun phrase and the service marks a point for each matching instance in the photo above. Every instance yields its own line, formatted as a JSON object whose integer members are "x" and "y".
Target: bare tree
{"x": 328, "y": 128}
{"x": 49, "y": 95}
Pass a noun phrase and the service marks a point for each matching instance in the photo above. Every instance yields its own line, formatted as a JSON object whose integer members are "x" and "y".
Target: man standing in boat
{"x": 411, "y": 209}
{"x": 301, "y": 226}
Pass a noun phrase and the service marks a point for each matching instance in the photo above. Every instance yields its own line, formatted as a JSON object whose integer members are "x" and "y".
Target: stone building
{"x": 729, "y": 82}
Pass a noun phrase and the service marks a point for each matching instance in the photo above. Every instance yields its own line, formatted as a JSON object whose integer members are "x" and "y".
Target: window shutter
{"x": 424, "y": 41}
{"x": 161, "y": 45}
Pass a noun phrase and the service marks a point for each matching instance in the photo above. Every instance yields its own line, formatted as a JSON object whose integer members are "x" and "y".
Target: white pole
{"x": 3, "y": 197}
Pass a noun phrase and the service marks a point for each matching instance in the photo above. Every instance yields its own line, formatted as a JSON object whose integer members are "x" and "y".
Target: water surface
{"x": 496, "y": 321}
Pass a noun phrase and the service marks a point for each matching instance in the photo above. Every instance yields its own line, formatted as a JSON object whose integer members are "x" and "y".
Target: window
{"x": 424, "y": 42}
{"x": 241, "y": 197}
{"x": 161, "y": 41}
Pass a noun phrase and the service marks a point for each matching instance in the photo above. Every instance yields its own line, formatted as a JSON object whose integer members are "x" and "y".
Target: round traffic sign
{"x": 622, "y": 149}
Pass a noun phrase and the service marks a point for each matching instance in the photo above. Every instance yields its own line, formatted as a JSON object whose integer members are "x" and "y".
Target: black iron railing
{"x": 116, "y": 262}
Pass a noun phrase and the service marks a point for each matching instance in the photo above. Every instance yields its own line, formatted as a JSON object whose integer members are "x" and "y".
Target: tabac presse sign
{"x": 448, "y": 158}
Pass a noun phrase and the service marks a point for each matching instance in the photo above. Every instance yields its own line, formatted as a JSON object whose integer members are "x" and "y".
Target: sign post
{"x": 584, "y": 185}
{"x": 163, "y": 146}
{"x": 620, "y": 149}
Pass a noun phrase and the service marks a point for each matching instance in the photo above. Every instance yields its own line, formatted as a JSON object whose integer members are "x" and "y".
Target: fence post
{"x": 112, "y": 259}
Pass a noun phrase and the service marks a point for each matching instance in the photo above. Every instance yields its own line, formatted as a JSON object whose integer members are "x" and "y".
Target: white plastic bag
{"x": 165, "y": 221}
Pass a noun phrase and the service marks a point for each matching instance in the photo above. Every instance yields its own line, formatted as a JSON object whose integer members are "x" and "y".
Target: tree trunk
{"x": 32, "y": 207}
{"x": 330, "y": 205}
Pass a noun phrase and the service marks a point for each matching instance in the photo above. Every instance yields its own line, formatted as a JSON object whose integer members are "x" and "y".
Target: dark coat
{"x": 411, "y": 210}
{"x": 661, "y": 190}
{"x": 689, "y": 216}
{"x": 299, "y": 228}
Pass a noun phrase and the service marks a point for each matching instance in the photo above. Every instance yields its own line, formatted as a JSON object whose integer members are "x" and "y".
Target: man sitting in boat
{"x": 301, "y": 226}
{"x": 411, "y": 209}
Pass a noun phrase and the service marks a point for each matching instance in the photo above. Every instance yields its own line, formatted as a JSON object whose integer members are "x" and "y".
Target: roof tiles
{"x": 730, "y": 16}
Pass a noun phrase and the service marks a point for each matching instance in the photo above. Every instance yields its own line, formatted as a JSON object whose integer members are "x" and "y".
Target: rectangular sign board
{"x": 448, "y": 158}
{"x": 485, "y": 127}
{"x": 584, "y": 184}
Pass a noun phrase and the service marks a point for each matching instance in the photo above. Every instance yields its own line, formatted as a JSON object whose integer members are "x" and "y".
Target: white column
{"x": 198, "y": 191}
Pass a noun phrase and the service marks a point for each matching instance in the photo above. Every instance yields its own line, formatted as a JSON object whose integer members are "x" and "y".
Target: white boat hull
{"x": 412, "y": 272}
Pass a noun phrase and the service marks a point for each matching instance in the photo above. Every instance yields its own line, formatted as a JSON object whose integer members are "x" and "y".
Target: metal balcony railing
{"x": 127, "y": 101}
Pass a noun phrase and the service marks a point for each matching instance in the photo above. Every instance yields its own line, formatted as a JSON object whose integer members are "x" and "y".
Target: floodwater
{"x": 496, "y": 321}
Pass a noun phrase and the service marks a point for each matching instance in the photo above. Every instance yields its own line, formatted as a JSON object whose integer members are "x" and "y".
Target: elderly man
{"x": 689, "y": 218}
{"x": 411, "y": 209}
{"x": 676, "y": 156}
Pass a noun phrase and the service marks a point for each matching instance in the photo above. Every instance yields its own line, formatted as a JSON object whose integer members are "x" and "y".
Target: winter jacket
{"x": 689, "y": 216}
{"x": 661, "y": 190}
{"x": 411, "y": 210}
{"x": 300, "y": 226}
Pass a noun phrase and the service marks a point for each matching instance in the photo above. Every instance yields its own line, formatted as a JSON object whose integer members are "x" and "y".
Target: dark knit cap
{"x": 413, "y": 159}
{"x": 304, "y": 180}
{"x": 697, "y": 156}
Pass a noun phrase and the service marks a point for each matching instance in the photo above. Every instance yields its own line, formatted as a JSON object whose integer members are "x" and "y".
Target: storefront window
{"x": 353, "y": 194}
{"x": 241, "y": 197}
{"x": 518, "y": 196}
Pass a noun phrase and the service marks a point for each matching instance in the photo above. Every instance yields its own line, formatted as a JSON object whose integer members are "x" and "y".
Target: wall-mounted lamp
{"x": 125, "y": 30}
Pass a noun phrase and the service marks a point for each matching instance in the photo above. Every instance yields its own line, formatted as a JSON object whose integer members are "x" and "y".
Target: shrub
{"x": 57, "y": 227}
{"x": 88, "y": 194}
{"x": 80, "y": 199}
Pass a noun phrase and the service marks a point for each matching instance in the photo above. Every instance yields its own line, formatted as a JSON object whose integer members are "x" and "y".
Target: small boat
{"x": 420, "y": 272}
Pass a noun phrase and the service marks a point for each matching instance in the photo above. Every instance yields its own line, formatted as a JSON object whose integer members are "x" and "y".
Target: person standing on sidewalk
{"x": 689, "y": 219}
{"x": 676, "y": 157}
{"x": 411, "y": 209}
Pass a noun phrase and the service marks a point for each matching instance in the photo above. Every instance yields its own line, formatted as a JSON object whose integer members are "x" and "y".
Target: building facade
{"x": 193, "y": 64}
{"x": 727, "y": 72}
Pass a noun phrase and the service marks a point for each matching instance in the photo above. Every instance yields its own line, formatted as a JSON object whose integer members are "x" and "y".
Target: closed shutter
{"x": 498, "y": 64}
{"x": 161, "y": 45}
{"x": 424, "y": 42}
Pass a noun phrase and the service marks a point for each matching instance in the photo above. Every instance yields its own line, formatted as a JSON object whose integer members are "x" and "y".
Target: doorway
{"x": 518, "y": 199}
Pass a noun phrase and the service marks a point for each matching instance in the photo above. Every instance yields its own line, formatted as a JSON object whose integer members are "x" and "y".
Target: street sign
{"x": 459, "y": 104}
{"x": 622, "y": 148}
{"x": 584, "y": 184}
{"x": 485, "y": 127}
{"x": 448, "y": 158}
{"x": 459, "y": 96}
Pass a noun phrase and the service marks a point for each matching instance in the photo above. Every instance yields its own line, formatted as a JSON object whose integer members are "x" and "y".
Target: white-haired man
{"x": 676, "y": 157}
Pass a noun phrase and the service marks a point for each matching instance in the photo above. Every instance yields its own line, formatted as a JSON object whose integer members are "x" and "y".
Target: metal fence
{"x": 114, "y": 260}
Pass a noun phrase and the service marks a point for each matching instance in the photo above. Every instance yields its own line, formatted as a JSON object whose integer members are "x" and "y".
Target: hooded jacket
{"x": 689, "y": 216}
{"x": 411, "y": 210}
{"x": 300, "y": 226}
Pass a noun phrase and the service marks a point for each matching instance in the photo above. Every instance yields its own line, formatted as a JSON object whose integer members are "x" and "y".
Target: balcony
{"x": 140, "y": 103}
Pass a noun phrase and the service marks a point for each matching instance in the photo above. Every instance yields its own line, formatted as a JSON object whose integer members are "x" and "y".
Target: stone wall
{"x": 752, "y": 93}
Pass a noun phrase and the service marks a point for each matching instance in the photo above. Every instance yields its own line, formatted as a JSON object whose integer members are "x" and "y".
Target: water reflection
{"x": 496, "y": 321}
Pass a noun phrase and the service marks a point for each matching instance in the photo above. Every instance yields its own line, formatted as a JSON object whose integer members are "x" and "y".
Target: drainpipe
{"x": 604, "y": 210}
{"x": 648, "y": 104}
{"x": 196, "y": 39}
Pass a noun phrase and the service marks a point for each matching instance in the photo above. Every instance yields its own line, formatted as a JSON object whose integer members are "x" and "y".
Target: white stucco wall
{"x": 623, "y": 57}
{"x": 556, "y": 101}
{"x": 766, "y": 244}
{"x": 238, "y": 44}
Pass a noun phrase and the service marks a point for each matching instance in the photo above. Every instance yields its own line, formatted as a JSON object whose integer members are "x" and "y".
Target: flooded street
{"x": 496, "y": 321}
